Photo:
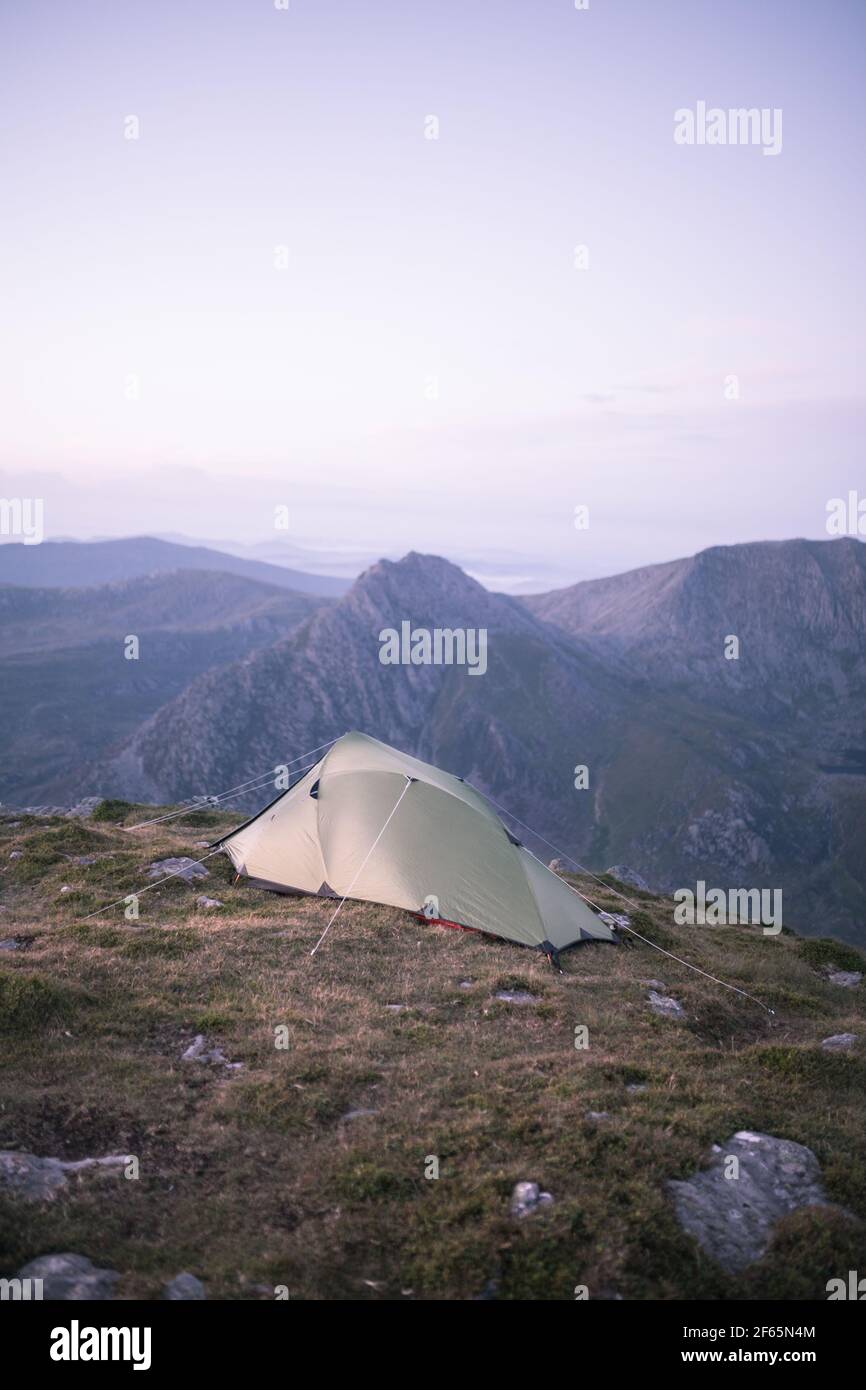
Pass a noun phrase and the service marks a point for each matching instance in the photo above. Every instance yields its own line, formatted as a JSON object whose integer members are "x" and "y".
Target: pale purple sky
{"x": 417, "y": 266}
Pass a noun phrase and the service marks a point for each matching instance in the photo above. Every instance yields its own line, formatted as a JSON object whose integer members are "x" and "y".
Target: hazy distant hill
{"x": 76, "y": 564}
{"x": 69, "y": 693}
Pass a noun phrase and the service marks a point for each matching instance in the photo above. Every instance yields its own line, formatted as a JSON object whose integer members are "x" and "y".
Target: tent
{"x": 374, "y": 824}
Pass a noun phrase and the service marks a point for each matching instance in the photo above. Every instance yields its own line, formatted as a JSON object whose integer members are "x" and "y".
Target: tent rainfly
{"x": 442, "y": 852}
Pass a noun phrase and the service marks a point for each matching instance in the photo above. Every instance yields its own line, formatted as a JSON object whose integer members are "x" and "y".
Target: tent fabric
{"x": 444, "y": 848}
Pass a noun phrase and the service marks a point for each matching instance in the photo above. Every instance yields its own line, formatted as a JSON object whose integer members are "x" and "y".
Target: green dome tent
{"x": 374, "y": 824}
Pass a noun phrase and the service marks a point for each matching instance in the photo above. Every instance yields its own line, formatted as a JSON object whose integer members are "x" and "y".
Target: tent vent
{"x": 513, "y": 838}
{"x": 314, "y": 790}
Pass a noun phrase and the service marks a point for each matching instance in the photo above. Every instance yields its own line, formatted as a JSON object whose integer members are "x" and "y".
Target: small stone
{"x": 635, "y": 1087}
{"x": 195, "y": 1049}
{"x": 180, "y": 867}
{"x": 615, "y": 919}
{"x": 396, "y": 1008}
{"x": 11, "y": 943}
{"x": 198, "y": 1051}
{"x": 839, "y": 1042}
{"x": 358, "y": 1114}
{"x": 848, "y": 979}
{"x": 203, "y": 901}
{"x": 66, "y": 888}
{"x": 558, "y": 866}
{"x": 527, "y": 1197}
{"x": 70, "y": 1278}
{"x": 653, "y": 984}
{"x": 184, "y": 1288}
{"x": 516, "y": 996}
{"x": 663, "y": 1004}
{"x": 84, "y": 859}
{"x": 596, "y": 1115}
{"x": 16, "y": 854}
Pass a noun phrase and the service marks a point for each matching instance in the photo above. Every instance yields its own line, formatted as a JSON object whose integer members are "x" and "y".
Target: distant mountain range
{"x": 80, "y": 564}
{"x": 747, "y": 773}
{"x": 70, "y": 694}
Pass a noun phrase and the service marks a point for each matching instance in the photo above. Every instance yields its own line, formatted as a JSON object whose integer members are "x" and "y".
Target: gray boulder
{"x": 35, "y": 1179}
{"x": 732, "y": 1218}
{"x": 70, "y": 1278}
{"x": 839, "y": 1042}
{"x": 184, "y": 1288}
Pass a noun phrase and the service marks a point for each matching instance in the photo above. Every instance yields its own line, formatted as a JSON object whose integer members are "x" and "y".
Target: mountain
{"x": 77, "y": 564}
{"x": 328, "y": 677}
{"x": 798, "y": 608}
{"x": 69, "y": 691}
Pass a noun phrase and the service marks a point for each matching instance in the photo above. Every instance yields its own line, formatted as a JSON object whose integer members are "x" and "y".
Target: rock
{"x": 182, "y": 867}
{"x": 527, "y": 1198}
{"x": 848, "y": 979}
{"x": 635, "y": 1087}
{"x": 66, "y": 888}
{"x": 358, "y": 1114}
{"x": 10, "y": 943}
{"x": 16, "y": 854}
{"x": 559, "y": 866}
{"x": 596, "y": 1115}
{"x": 85, "y": 807}
{"x": 516, "y": 996}
{"x": 732, "y": 1218}
{"x": 70, "y": 1278}
{"x": 663, "y": 1004}
{"x": 203, "y": 901}
{"x": 35, "y": 1179}
{"x": 839, "y": 1042}
{"x": 653, "y": 984}
{"x": 195, "y": 1049}
{"x": 466, "y": 984}
{"x": 623, "y": 874}
{"x": 184, "y": 1288}
{"x": 83, "y": 859}
{"x": 615, "y": 919}
{"x": 396, "y": 1008}
{"x": 198, "y": 1051}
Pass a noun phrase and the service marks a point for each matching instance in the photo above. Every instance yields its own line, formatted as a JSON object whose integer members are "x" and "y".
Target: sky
{"x": 284, "y": 294}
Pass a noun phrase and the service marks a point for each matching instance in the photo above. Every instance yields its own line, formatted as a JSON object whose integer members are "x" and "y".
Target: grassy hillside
{"x": 258, "y": 1176}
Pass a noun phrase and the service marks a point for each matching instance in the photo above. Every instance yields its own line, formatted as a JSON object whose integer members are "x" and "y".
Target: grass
{"x": 274, "y": 1174}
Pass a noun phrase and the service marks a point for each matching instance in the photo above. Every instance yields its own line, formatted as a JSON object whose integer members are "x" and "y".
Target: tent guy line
{"x": 136, "y": 892}
{"x": 631, "y": 902}
{"x": 261, "y": 778}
